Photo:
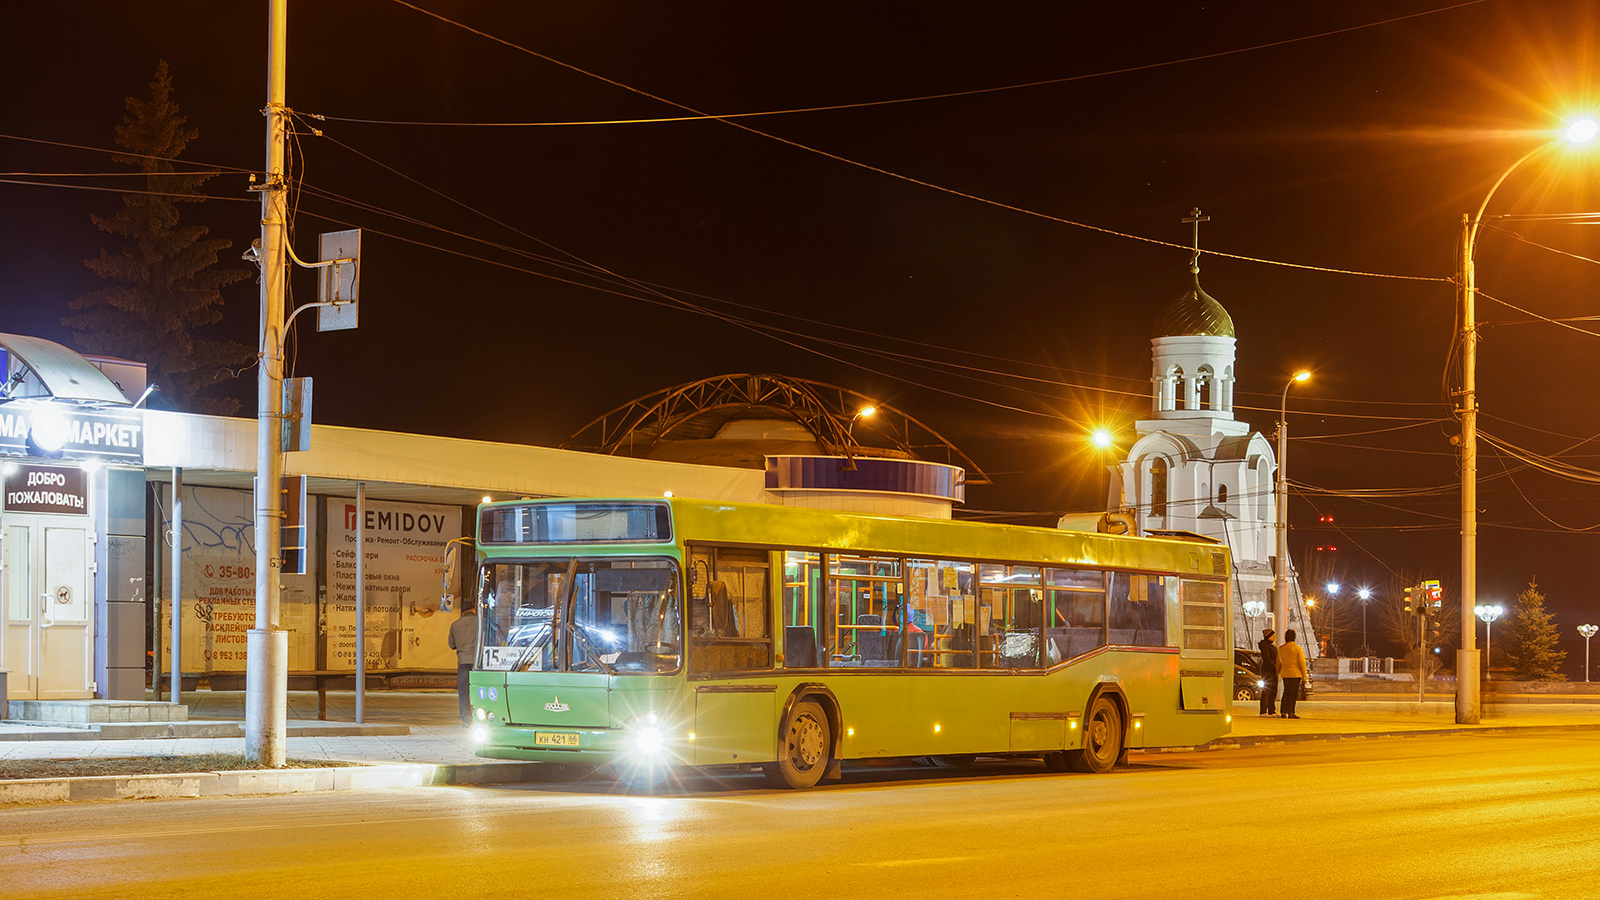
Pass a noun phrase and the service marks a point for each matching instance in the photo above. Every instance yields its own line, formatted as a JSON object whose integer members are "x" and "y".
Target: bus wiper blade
{"x": 584, "y": 639}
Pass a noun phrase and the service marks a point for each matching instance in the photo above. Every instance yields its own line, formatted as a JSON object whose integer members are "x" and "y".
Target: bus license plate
{"x": 554, "y": 739}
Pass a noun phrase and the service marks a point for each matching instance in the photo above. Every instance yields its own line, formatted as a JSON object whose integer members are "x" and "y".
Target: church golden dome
{"x": 1195, "y": 312}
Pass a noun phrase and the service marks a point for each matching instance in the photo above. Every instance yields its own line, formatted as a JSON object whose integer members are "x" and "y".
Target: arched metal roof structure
{"x": 699, "y": 409}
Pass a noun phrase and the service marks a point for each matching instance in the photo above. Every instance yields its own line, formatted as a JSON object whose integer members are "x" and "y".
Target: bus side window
{"x": 1010, "y": 604}
{"x": 1138, "y": 610}
{"x": 1077, "y": 615}
{"x": 941, "y": 624}
{"x": 802, "y": 610}
{"x": 730, "y": 605}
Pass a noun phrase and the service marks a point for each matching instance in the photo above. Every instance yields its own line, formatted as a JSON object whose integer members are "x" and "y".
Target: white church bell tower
{"x": 1196, "y": 469}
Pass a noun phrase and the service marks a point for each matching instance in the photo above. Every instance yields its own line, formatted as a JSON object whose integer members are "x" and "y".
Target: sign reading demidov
{"x": 105, "y": 433}
{"x": 47, "y": 489}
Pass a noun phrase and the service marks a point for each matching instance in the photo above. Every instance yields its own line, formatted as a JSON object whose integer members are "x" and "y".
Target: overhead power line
{"x": 946, "y": 95}
{"x": 906, "y": 178}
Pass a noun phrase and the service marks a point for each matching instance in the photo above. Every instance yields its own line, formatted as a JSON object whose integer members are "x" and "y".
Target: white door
{"x": 49, "y": 613}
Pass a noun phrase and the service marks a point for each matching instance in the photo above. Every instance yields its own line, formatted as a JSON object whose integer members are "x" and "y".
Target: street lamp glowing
{"x": 1302, "y": 376}
{"x": 1582, "y": 131}
{"x": 1101, "y": 438}
{"x": 1332, "y": 586}
{"x": 867, "y": 412}
{"x": 1364, "y": 593}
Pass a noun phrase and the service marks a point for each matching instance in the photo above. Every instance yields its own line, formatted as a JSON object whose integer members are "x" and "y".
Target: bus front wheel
{"x": 1102, "y": 738}
{"x": 804, "y": 742}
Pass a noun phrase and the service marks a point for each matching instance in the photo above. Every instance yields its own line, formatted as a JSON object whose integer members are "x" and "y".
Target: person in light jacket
{"x": 1291, "y": 672}
{"x": 464, "y": 641}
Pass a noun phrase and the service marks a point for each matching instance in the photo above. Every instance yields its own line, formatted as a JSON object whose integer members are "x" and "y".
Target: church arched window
{"x": 1158, "y": 487}
{"x": 1180, "y": 389}
{"x": 1205, "y": 389}
{"x": 1222, "y": 496}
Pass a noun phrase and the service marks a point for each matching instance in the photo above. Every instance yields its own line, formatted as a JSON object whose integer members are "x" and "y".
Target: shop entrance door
{"x": 49, "y": 628}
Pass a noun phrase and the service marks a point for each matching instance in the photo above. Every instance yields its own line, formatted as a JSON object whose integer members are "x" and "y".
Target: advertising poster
{"x": 405, "y": 554}
{"x": 219, "y": 584}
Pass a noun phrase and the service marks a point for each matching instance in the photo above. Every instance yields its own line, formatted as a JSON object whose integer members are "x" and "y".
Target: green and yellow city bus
{"x": 653, "y": 633}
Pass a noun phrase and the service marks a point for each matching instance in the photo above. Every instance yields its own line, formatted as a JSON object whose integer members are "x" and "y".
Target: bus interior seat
{"x": 873, "y": 646}
{"x": 799, "y": 647}
{"x": 722, "y": 624}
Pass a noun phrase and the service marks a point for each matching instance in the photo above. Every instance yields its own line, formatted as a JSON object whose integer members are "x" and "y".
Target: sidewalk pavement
{"x": 436, "y": 734}
{"x": 437, "y": 737}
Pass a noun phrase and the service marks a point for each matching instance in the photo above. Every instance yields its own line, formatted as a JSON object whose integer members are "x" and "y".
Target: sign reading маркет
{"x": 106, "y": 433}
{"x": 47, "y": 489}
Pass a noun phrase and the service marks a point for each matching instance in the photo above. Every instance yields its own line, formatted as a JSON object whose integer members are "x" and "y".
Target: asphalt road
{"x": 1483, "y": 816}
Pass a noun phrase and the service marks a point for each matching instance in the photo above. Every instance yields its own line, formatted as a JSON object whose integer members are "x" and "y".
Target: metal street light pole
{"x": 1280, "y": 575}
{"x": 1366, "y": 651}
{"x": 1488, "y": 614}
{"x": 1588, "y": 632}
{"x": 267, "y": 647}
{"x": 1468, "y": 691}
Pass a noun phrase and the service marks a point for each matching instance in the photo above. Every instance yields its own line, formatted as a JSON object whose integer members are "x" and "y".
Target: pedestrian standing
{"x": 464, "y": 641}
{"x": 1291, "y": 671}
{"x": 1269, "y": 672}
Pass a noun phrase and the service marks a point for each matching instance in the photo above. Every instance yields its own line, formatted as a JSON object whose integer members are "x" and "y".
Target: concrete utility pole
{"x": 1467, "y": 687}
{"x": 267, "y": 676}
{"x": 1280, "y": 575}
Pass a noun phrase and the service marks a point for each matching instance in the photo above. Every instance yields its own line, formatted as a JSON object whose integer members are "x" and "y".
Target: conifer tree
{"x": 1530, "y": 639}
{"x": 165, "y": 284}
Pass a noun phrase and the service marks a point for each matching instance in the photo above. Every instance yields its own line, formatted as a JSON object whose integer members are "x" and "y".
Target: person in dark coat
{"x": 1269, "y": 672}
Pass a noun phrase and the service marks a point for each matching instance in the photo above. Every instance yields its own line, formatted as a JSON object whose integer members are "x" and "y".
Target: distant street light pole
{"x": 1366, "y": 651}
{"x": 1588, "y": 632}
{"x": 1280, "y": 575}
{"x": 866, "y": 412}
{"x": 1333, "y": 624}
{"x": 1468, "y": 690}
{"x": 1253, "y": 609}
{"x": 1488, "y": 614}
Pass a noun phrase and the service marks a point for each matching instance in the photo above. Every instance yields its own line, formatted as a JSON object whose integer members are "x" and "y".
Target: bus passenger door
{"x": 735, "y": 723}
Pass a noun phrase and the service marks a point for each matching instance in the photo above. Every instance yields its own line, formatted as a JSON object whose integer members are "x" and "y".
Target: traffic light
{"x": 1411, "y": 606}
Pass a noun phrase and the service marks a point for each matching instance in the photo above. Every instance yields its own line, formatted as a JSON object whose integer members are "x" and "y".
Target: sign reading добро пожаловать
{"x": 47, "y": 489}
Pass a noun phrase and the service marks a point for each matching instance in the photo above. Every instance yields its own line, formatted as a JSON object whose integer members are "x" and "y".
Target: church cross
{"x": 1195, "y": 218}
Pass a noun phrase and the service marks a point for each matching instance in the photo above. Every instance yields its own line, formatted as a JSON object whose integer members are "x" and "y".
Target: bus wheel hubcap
{"x": 806, "y": 743}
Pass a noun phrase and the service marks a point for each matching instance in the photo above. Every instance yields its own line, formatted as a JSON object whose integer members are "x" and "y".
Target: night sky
{"x": 1358, "y": 150}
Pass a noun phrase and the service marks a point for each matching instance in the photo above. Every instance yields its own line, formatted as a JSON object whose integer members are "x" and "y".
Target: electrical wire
{"x": 898, "y": 100}
{"x": 1537, "y": 316}
{"x": 117, "y": 190}
{"x": 170, "y": 159}
{"x": 907, "y": 178}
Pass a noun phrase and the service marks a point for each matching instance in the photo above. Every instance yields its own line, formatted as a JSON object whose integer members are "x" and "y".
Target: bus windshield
{"x": 617, "y": 616}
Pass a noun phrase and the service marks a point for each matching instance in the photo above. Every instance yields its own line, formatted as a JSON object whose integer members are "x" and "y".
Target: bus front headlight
{"x": 480, "y": 734}
{"x": 648, "y": 740}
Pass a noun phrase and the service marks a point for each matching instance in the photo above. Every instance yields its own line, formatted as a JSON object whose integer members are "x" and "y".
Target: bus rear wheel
{"x": 1102, "y": 738}
{"x": 804, "y": 742}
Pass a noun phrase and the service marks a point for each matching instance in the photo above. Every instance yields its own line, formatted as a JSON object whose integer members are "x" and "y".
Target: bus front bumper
{"x": 640, "y": 744}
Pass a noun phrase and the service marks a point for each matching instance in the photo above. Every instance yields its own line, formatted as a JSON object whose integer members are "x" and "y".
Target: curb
{"x": 263, "y": 782}
{"x": 1273, "y": 740}
{"x": 192, "y": 729}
